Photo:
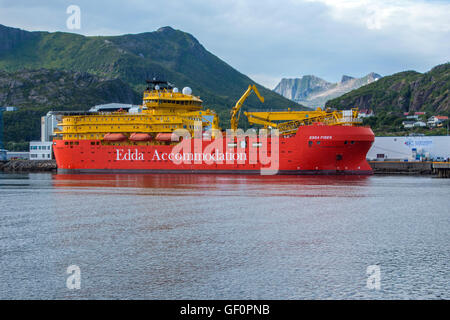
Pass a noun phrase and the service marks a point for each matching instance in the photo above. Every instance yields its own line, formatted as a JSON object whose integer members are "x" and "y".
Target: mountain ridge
{"x": 176, "y": 55}
{"x": 42, "y": 90}
{"x": 313, "y": 91}
{"x": 407, "y": 91}
{"x": 121, "y": 63}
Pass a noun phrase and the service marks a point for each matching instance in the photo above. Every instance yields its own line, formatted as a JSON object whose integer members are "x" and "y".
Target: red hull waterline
{"x": 315, "y": 149}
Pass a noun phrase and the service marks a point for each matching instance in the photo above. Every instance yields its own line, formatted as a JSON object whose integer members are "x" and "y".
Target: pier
{"x": 438, "y": 169}
{"x": 401, "y": 167}
{"x": 28, "y": 166}
{"x": 441, "y": 169}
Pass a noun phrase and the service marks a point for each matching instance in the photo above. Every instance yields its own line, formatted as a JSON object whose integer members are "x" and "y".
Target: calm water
{"x": 224, "y": 237}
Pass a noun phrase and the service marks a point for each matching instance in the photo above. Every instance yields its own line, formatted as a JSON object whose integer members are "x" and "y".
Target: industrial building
{"x": 410, "y": 148}
{"x": 43, "y": 150}
{"x": 16, "y": 155}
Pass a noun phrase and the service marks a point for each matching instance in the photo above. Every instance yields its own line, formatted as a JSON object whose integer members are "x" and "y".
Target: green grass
{"x": 402, "y": 92}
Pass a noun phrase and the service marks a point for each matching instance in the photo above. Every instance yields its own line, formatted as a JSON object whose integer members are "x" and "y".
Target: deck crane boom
{"x": 235, "y": 114}
{"x": 287, "y": 122}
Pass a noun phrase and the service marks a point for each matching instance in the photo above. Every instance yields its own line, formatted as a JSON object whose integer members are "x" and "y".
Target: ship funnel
{"x": 187, "y": 91}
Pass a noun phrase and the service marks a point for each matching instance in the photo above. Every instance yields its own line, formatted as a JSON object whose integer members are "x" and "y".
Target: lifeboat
{"x": 140, "y": 137}
{"x": 167, "y": 137}
{"x": 115, "y": 137}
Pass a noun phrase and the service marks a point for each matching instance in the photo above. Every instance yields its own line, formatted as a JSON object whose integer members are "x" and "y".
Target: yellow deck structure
{"x": 287, "y": 122}
{"x": 164, "y": 110}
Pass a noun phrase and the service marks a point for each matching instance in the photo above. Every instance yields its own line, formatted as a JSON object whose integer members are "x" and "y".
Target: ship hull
{"x": 315, "y": 149}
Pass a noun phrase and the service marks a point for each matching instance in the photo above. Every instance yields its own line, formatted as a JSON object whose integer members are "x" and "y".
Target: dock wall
{"x": 399, "y": 167}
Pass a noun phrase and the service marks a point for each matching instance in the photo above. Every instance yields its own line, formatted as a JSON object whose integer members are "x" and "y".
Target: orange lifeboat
{"x": 115, "y": 137}
{"x": 167, "y": 137}
{"x": 140, "y": 137}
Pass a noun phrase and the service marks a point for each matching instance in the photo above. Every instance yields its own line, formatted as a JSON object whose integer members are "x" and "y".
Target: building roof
{"x": 112, "y": 107}
{"x": 441, "y": 117}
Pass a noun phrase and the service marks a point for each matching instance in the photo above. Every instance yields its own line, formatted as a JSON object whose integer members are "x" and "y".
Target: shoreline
{"x": 14, "y": 166}
{"x": 402, "y": 168}
{"x": 379, "y": 167}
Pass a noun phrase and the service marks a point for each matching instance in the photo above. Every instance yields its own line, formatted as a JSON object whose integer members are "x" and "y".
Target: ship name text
{"x": 320, "y": 137}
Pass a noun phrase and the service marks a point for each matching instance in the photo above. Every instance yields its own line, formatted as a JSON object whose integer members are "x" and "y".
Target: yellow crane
{"x": 235, "y": 114}
{"x": 289, "y": 121}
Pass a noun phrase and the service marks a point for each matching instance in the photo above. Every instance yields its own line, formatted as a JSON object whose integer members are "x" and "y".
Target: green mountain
{"x": 175, "y": 55}
{"x": 408, "y": 91}
{"x": 38, "y": 91}
{"x": 117, "y": 68}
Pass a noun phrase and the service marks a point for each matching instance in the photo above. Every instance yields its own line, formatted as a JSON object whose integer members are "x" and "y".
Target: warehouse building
{"x": 410, "y": 148}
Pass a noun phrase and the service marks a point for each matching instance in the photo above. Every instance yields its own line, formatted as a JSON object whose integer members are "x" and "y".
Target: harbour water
{"x": 224, "y": 237}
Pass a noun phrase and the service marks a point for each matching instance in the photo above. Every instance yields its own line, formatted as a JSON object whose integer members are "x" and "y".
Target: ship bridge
{"x": 161, "y": 95}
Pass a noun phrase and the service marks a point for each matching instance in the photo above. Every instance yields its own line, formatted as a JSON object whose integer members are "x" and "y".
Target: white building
{"x": 365, "y": 113}
{"x": 49, "y": 123}
{"x": 408, "y": 124}
{"x": 436, "y": 120}
{"x": 420, "y": 124}
{"x": 409, "y": 148}
{"x": 13, "y": 155}
{"x": 43, "y": 150}
{"x": 40, "y": 150}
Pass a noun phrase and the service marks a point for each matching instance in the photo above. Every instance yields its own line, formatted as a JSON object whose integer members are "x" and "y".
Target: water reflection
{"x": 198, "y": 180}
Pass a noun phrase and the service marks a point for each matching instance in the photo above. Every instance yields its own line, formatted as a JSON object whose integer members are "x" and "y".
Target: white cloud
{"x": 269, "y": 39}
{"x": 379, "y": 14}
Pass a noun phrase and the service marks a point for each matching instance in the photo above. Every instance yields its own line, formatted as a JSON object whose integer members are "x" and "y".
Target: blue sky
{"x": 269, "y": 40}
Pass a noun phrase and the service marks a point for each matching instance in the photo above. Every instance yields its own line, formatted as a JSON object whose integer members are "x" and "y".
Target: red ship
{"x": 147, "y": 139}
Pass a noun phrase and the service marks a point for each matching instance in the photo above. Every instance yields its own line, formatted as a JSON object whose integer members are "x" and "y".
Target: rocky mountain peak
{"x": 313, "y": 91}
{"x": 346, "y": 78}
{"x": 166, "y": 29}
